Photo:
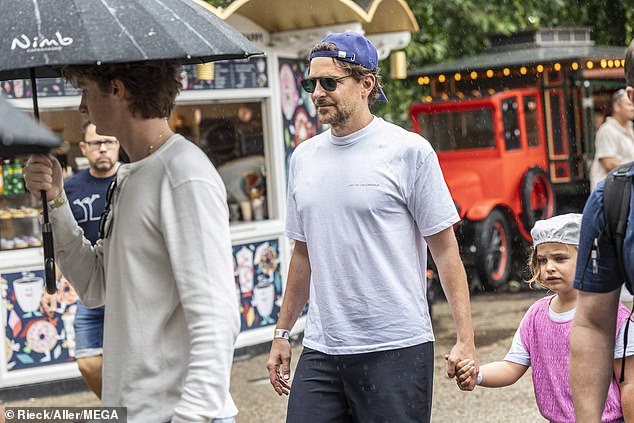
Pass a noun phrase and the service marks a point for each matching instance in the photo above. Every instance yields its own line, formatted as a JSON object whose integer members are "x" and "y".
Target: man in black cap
{"x": 365, "y": 199}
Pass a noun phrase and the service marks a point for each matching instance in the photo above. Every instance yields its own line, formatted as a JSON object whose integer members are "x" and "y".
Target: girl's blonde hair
{"x": 533, "y": 266}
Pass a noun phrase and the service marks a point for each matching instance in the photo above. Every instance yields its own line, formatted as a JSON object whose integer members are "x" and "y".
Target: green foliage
{"x": 219, "y": 3}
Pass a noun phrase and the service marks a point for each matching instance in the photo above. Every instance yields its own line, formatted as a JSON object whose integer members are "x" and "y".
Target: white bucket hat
{"x": 563, "y": 229}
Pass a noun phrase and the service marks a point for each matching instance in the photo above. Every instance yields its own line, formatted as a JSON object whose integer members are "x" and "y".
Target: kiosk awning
{"x": 375, "y": 16}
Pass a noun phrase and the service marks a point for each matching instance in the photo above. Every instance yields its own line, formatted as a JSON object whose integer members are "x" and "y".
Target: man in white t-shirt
{"x": 365, "y": 199}
{"x": 614, "y": 142}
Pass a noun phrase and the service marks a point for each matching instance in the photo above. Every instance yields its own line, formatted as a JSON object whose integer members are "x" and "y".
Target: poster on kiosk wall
{"x": 258, "y": 283}
{"x": 31, "y": 338}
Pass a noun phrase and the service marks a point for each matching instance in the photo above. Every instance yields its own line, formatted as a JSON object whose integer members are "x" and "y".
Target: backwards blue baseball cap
{"x": 352, "y": 48}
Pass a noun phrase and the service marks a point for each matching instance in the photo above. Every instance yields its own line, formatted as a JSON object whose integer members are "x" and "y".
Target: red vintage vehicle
{"x": 514, "y": 133}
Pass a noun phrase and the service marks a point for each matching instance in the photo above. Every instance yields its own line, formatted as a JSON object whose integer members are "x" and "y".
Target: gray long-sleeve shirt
{"x": 165, "y": 273}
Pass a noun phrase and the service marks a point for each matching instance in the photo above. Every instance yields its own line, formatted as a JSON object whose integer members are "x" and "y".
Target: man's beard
{"x": 103, "y": 166}
{"x": 336, "y": 116}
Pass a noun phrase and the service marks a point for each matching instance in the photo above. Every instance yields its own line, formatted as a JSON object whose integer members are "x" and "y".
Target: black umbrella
{"x": 38, "y": 36}
{"x": 21, "y": 134}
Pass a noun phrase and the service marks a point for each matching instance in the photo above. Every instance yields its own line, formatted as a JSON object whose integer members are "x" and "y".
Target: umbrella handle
{"x": 49, "y": 255}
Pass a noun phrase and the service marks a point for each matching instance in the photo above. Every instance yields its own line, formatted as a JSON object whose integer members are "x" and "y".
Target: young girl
{"x": 543, "y": 338}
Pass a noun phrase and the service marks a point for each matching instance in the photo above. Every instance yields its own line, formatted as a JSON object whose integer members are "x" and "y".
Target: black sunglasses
{"x": 105, "y": 223}
{"x": 327, "y": 83}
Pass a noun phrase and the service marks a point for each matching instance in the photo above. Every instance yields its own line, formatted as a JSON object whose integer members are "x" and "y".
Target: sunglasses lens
{"x": 308, "y": 85}
{"x": 329, "y": 84}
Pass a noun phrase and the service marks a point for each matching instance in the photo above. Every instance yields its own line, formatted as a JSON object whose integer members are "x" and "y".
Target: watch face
{"x": 282, "y": 333}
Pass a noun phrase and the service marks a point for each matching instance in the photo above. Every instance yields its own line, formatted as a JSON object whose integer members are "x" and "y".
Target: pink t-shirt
{"x": 548, "y": 344}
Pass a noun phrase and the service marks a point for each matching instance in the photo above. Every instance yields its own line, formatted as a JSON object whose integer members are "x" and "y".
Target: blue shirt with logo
{"x": 87, "y": 198}
{"x": 604, "y": 275}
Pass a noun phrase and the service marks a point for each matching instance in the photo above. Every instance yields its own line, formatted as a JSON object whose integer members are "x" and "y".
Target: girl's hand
{"x": 465, "y": 371}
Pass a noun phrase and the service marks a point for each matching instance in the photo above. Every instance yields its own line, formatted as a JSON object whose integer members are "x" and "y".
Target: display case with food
{"x": 19, "y": 210}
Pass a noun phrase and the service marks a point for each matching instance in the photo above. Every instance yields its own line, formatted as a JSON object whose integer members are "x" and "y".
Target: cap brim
{"x": 382, "y": 98}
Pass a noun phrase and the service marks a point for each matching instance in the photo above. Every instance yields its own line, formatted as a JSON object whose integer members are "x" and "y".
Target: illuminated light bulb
{"x": 457, "y": 77}
{"x": 474, "y": 75}
{"x": 610, "y": 63}
{"x": 574, "y": 66}
{"x": 490, "y": 73}
{"x": 589, "y": 64}
{"x": 604, "y": 63}
{"x": 421, "y": 80}
{"x": 540, "y": 68}
{"x": 523, "y": 70}
{"x": 557, "y": 66}
{"x": 506, "y": 71}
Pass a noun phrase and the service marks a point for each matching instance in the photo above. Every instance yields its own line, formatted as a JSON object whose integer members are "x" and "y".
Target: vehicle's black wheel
{"x": 536, "y": 195}
{"x": 493, "y": 243}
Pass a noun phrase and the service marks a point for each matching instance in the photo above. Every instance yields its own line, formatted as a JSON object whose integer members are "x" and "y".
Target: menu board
{"x": 46, "y": 87}
{"x": 228, "y": 74}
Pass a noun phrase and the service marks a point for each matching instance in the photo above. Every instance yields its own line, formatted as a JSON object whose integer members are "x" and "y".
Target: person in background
{"x": 542, "y": 340}
{"x": 163, "y": 265}
{"x": 614, "y": 142}
{"x": 365, "y": 199}
{"x": 86, "y": 192}
{"x": 599, "y": 281}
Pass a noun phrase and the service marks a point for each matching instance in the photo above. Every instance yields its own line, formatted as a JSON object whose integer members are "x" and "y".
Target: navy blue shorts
{"x": 384, "y": 386}
{"x": 88, "y": 331}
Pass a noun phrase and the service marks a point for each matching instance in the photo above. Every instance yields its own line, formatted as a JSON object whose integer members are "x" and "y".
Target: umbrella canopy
{"x": 42, "y": 35}
{"x": 39, "y": 36}
{"x": 21, "y": 134}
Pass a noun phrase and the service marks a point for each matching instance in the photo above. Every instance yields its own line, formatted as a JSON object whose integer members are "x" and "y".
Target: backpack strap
{"x": 625, "y": 336}
{"x": 616, "y": 209}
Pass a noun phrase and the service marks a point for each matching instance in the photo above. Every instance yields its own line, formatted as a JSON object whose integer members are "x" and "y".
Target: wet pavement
{"x": 495, "y": 316}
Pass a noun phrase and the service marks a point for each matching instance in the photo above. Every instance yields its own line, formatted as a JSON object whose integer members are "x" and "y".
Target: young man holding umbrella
{"x": 163, "y": 267}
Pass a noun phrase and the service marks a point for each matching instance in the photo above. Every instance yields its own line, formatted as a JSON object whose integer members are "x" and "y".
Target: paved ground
{"x": 495, "y": 316}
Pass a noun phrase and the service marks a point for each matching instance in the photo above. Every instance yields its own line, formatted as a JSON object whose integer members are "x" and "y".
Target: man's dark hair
{"x": 356, "y": 71}
{"x": 84, "y": 126}
{"x": 629, "y": 65}
{"x": 151, "y": 86}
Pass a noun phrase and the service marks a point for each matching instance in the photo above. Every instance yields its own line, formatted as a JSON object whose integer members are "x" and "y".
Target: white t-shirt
{"x": 612, "y": 140}
{"x": 518, "y": 353}
{"x": 363, "y": 203}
